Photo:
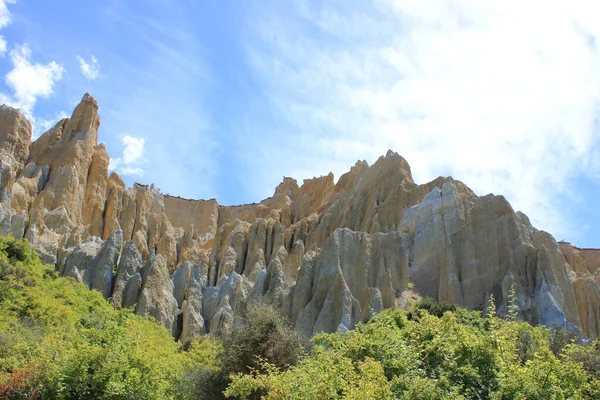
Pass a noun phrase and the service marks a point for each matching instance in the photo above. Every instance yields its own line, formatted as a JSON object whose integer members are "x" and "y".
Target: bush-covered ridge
{"x": 59, "y": 340}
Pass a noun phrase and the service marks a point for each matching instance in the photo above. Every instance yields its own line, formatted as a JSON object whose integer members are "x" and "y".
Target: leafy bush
{"x": 266, "y": 337}
{"x": 20, "y": 384}
{"x": 588, "y": 356}
{"x": 561, "y": 337}
{"x": 432, "y": 307}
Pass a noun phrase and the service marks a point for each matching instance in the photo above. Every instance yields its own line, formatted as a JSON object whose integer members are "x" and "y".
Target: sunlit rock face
{"x": 327, "y": 254}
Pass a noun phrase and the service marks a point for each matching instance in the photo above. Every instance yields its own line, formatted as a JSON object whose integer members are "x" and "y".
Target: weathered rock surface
{"x": 95, "y": 192}
{"x": 328, "y": 254}
{"x": 354, "y": 273}
{"x": 156, "y": 298}
{"x": 585, "y": 275}
{"x": 128, "y": 282}
{"x": 15, "y": 136}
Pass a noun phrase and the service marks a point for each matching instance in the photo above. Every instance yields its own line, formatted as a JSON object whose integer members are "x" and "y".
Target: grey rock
{"x": 106, "y": 260}
{"x": 5, "y": 174}
{"x": 46, "y": 243}
{"x": 181, "y": 280}
{"x": 132, "y": 291}
{"x": 73, "y": 272}
{"x": 230, "y": 298}
{"x": 5, "y": 212}
{"x": 156, "y": 298}
{"x": 17, "y": 226}
{"x": 223, "y": 318}
{"x": 95, "y": 261}
{"x": 188, "y": 281}
{"x": 58, "y": 221}
{"x": 5, "y": 208}
{"x": 335, "y": 289}
{"x": 130, "y": 265}
{"x": 192, "y": 322}
{"x": 462, "y": 249}
{"x": 81, "y": 257}
{"x": 275, "y": 279}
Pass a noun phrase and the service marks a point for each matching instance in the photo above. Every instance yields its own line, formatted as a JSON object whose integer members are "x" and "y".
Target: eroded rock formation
{"x": 327, "y": 254}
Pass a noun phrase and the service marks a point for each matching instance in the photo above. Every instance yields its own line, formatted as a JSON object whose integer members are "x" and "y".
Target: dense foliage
{"x": 458, "y": 355}
{"x": 59, "y": 340}
{"x": 267, "y": 337}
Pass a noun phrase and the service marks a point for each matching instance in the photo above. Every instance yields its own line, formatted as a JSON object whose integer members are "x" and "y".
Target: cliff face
{"x": 327, "y": 254}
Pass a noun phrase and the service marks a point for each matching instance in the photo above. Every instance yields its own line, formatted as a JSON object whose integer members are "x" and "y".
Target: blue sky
{"x": 221, "y": 99}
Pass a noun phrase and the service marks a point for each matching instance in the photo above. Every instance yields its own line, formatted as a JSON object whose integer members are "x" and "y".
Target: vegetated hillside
{"x": 326, "y": 254}
{"x": 60, "y": 340}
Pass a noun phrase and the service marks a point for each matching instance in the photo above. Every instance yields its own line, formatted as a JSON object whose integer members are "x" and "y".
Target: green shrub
{"x": 588, "y": 356}
{"x": 432, "y": 307}
{"x": 266, "y": 337}
{"x": 561, "y": 337}
{"x": 17, "y": 250}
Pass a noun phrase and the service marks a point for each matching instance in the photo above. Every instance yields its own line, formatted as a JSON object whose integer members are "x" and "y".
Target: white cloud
{"x": 5, "y": 19}
{"x": 89, "y": 70}
{"x": 133, "y": 154}
{"x": 131, "y": 171}
{"x": 29, "y": 81}
{"x": 500, "y": 94}
{"x": 134, "y": 149}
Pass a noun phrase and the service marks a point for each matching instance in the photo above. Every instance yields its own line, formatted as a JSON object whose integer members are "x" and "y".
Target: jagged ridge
{"x": 327, "y": 254}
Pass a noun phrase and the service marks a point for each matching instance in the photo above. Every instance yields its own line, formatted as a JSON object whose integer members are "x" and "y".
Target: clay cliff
{"x": 327, "y": 254}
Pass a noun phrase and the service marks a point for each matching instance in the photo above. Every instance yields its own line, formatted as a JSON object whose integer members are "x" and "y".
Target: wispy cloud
{"x": 5, "y": 19}
{"x": 158, "y": 88}
{"x": 133, "y": 154}
{"x": 489, "y": 92}
{"x": 89, "y": 69}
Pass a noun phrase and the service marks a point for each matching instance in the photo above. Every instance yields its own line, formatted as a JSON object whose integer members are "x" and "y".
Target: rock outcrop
{"x": 585, "y": 275}
{"x": 355, "y": 275}
{"x": 328, "y": 254}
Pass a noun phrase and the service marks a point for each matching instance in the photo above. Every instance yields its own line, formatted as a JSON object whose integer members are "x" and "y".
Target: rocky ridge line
{"x": 327, "y": 254}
